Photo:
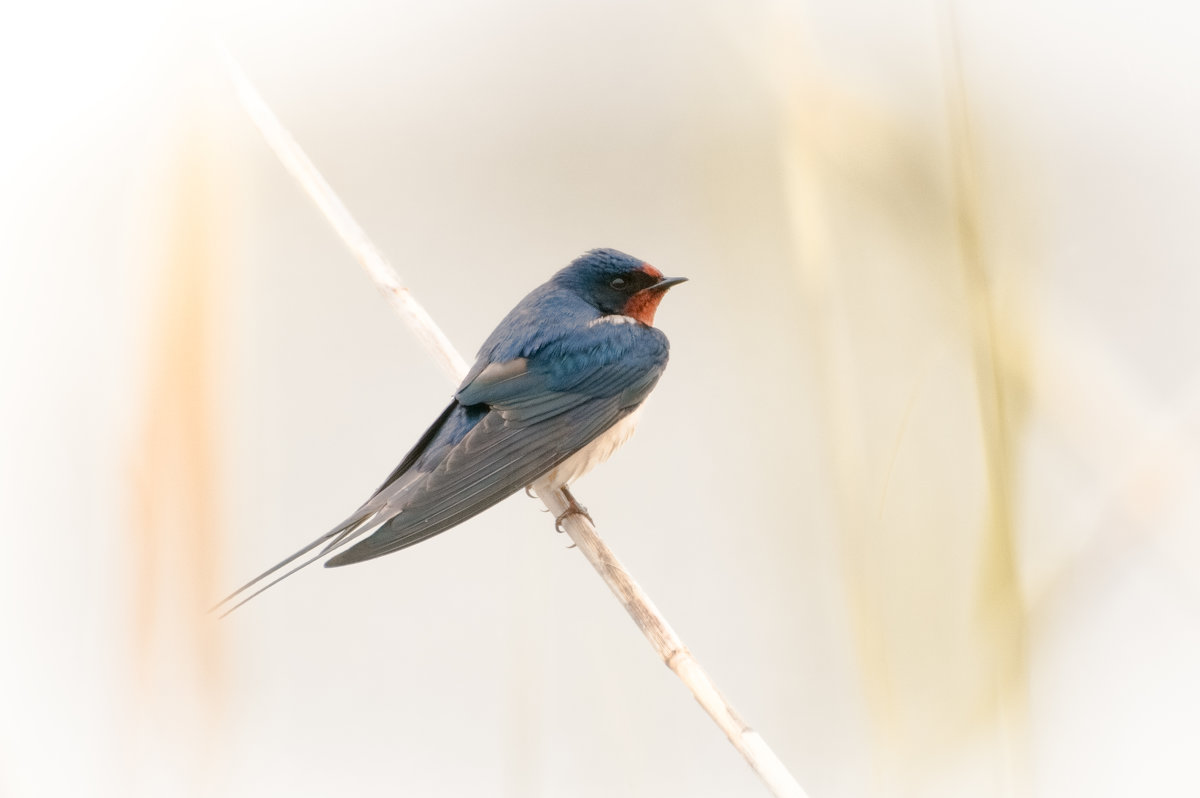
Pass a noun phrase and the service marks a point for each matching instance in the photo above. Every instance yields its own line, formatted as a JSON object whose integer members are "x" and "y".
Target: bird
{"x": 555, "y": 389}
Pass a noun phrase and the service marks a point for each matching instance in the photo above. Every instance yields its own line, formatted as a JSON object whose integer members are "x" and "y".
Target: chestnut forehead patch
{"x": 653, "y": 272}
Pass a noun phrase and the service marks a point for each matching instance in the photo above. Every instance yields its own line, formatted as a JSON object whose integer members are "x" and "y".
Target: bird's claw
{"x": 558, "y": 522}
{"x": 573, "y": 508}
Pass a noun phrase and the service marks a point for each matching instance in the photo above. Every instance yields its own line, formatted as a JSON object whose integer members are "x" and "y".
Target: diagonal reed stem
{"x": 581, "y": 531}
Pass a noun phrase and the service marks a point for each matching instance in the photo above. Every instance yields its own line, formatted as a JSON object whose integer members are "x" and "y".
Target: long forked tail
{"x": 351, "y": 528}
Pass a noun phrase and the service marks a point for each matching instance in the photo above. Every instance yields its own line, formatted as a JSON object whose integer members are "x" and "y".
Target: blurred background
{"x": 918, "y": 489}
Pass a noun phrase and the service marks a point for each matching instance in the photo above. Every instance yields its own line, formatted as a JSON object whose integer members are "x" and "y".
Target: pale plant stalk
{"x": 369, "y": 256}
{"x": 580, "y": 529}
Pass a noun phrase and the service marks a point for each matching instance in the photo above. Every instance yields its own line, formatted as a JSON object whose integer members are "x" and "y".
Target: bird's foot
{"x": 573, "y": 508}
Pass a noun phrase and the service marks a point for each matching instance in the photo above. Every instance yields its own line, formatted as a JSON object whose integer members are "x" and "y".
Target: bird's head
{"x": 616, "y": 283}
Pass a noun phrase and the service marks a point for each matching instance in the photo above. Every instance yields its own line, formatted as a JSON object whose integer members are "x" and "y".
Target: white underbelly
{"x": 589, "y": 456}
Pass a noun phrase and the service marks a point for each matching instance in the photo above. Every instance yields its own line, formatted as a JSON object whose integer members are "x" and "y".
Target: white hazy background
{"x": 919, "y": 488}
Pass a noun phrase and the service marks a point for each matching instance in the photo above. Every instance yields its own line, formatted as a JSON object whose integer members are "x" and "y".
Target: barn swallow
{"x": 555, "y": 390}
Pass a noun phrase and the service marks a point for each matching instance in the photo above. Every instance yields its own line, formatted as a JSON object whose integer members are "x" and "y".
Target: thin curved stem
{"x": 580, "y": 529}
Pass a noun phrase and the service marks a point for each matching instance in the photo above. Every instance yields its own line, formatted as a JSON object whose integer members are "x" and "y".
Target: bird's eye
{"x": 617, "y": 283}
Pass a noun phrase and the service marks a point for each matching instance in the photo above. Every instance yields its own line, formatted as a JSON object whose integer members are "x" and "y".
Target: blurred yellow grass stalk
{"x": 1001, "y": 373}
{"x": 897, "y": 290}
{"x": 807, "y": 111}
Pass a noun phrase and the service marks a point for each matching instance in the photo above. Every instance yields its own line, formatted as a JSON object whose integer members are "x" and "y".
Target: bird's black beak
{"x": 667, "y": 282}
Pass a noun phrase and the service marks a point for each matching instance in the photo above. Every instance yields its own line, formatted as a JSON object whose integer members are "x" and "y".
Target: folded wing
{"x": 510, "y": 423}
{"x": 540, "y": 411}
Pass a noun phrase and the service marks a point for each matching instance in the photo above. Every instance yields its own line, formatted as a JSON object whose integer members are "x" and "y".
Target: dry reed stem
{"x": 662, "y": 637}
{"x": 369, "y": 256}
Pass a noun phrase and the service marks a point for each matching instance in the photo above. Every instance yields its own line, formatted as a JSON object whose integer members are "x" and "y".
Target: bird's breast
{"x": 600, "y": 449}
